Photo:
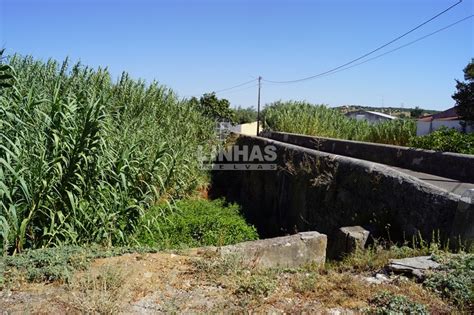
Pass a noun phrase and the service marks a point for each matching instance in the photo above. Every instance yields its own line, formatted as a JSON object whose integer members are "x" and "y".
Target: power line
{"x": 229, "y": 88}
{"x": 405, "y": 45}
{"x": 400, "y": 47}
{"x": 370, "y": 52}
{"x": 238, "y": 90}
{"x": 235, "y": 86}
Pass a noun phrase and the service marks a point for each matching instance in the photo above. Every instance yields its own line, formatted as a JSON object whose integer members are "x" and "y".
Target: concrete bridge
{"x": 451, "y": 172}
{"x": 322, "y": 184}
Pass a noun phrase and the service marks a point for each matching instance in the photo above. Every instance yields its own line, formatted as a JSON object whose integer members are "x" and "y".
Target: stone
{"x": 347, "y": 240}
{"x": 280, "y": 252}
{"x": 379, "y": 278}
{"x": 415, "y": 266}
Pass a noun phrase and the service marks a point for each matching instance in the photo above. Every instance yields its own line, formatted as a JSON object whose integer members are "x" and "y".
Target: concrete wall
{"x": 450, "y": 165}
{"x": 314, "y": 190}
{"x": 249, "y": 129}
{"x": 426, "y": 127}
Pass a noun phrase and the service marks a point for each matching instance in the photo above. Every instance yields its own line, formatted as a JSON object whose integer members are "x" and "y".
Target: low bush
{"x": 455, "y": 281}
{"x": 389, "y": 303}
{"x": 194, "y": 223}
{"x": 445, "y": 139}
{"x": 258, "y": 285}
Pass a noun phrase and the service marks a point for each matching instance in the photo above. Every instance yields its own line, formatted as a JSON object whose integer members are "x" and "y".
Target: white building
{"x": 449, "y": 118}
{"x": 370, "y": 116}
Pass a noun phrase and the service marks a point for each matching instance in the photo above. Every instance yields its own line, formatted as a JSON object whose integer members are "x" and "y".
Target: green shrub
{"x": 319, "y": 120}
{"x": 245, "y": 115}
{"x": 388, "y": 303}
{"x": 455, "y": 281}
{"x": 194, "y": 223}
{"x": 445, "y": 139}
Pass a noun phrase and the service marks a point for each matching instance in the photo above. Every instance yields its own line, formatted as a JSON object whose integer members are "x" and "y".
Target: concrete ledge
{"x": 281, "y": 252}
{"x": 445, "y": 164}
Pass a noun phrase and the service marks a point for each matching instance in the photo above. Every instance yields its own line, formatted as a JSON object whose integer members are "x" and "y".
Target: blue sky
{"x": 203, "y": 45}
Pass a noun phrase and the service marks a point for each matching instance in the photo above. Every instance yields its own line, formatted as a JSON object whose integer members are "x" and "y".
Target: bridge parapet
{"x": 315, "y": 190}
{"x": 445, "y": 164}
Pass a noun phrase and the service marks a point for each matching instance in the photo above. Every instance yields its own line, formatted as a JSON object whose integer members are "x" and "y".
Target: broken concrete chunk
{"x": 415, "y": 266}
{"x": 284, "y": 252}
{"x": 347, "y": 239}
{"x": 379, "y": 278}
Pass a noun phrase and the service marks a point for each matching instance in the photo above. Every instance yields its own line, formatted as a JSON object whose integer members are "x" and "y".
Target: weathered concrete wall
{"x": 450, "y": 165}
{"x": 318, "y": 191}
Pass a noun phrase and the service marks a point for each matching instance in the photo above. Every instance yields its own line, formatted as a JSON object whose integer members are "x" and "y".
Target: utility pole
{"x": 258, "y": 104}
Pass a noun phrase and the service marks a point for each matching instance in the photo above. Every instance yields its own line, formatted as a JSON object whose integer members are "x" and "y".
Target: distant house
{"x": 449, "y": 118}
{"x": 370, "y": 116}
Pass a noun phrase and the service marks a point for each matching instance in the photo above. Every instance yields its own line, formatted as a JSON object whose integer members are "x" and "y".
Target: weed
{"x": 304, "y": 282}
{"x": 256, "y": 285}
{"x": 389, "y": 303}
{"x": 54, "y": 264}
{"x": 455, "y": 280}
{"x": 100, "y": 293}
{"x": 218, "y": 266}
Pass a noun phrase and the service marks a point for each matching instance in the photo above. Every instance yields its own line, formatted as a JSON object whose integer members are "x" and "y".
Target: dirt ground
{"x": 195, "y": 282}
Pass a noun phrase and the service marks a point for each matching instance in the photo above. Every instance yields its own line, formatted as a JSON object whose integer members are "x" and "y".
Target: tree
{"x": 416, "y": 112}
{"x": 245, "y": 115}
{"x": 464, "y": 96}
{"x": 6, "y": 76}
{"x": 214, "y": 108}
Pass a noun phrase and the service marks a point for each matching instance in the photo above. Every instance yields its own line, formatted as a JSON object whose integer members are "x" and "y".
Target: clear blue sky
{"x": 203, "y": 45}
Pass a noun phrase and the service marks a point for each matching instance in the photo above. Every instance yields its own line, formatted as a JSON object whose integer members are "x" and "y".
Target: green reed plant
{"x": 82, "y": 157}
{"x": 319, "y": 120}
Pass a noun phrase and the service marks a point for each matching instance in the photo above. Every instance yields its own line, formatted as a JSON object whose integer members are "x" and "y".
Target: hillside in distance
{"x": 402, "y": 112}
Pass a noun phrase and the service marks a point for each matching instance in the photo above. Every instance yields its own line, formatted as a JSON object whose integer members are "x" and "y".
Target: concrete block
{"x": 283, "y": 252}
{"x": 347, "y": 239}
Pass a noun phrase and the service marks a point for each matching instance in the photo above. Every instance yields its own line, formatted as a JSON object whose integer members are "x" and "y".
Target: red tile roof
{"x": 449, "y": 114}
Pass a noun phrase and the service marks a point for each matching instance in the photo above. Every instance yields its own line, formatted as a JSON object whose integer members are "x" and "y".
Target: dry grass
{"x": 203, "y": 282}
{"x": 102, "y": 291}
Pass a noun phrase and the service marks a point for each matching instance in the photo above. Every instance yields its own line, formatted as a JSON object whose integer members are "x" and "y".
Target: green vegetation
{"x": 245, "y": 115}
{"x": 319, "y": 120}
{"x": 456, "y": 280}
{"x": 257, "y": 285}
{"x": 445, "y": 139}
{"x": 389, "y": 303}
{"x": 464, "y": 95}
{"x": 83, "y": 157}
{"x": 214, "y": 108}
{"x": 194, "y": 223}
{"x": 55, "y": 264}
{"x": 416, "y": 112}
